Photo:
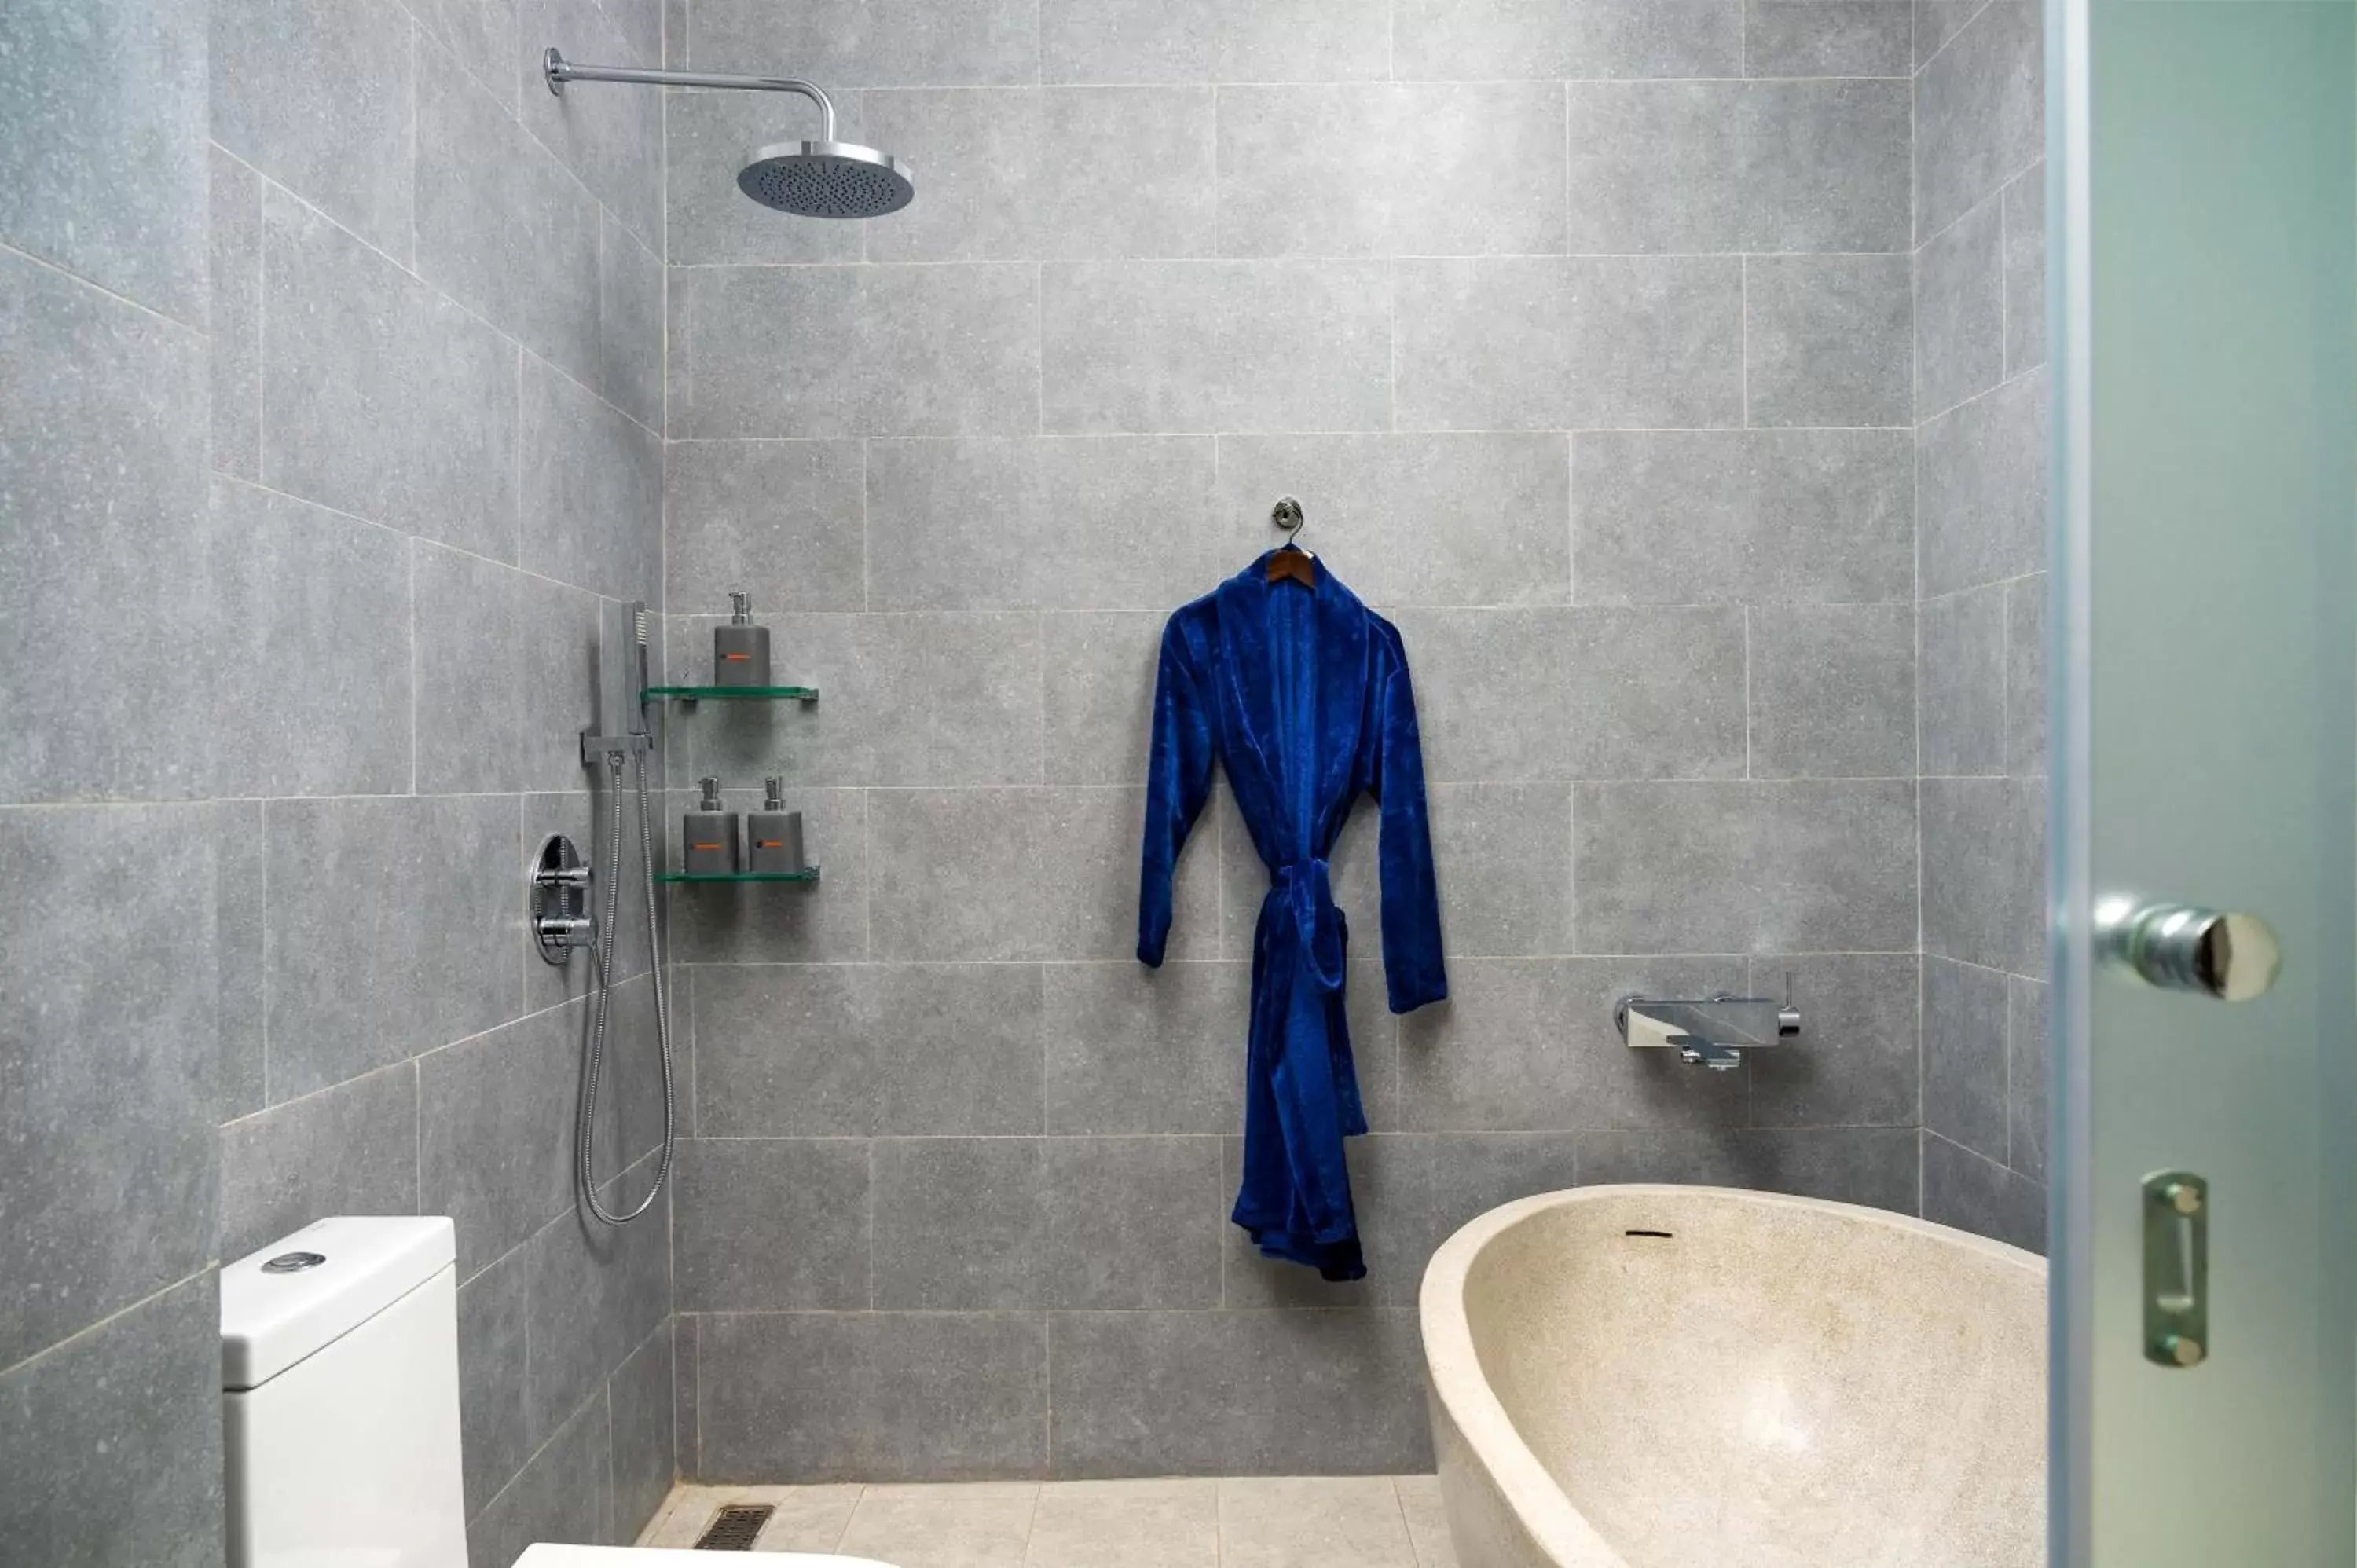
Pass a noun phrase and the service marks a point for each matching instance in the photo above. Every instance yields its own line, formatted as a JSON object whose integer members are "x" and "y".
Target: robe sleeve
{"x": 1178, "y": 780}
{"x": 1412, "y": 973}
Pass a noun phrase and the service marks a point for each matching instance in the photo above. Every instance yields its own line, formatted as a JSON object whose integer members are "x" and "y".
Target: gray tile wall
{"x": 1981, "y": 571}
{"x": 1600, "y": 379}
{"x": 330, "y": 402}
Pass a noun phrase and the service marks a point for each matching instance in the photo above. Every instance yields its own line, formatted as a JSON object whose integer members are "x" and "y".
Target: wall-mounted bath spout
{"x": 1713, "y": 1032}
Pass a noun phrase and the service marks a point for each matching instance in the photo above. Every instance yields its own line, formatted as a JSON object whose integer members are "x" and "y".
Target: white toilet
{"x": 339, "y": 1372}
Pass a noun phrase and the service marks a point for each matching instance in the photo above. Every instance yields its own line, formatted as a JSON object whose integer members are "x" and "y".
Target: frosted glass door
{"x": 2203, "y": 159}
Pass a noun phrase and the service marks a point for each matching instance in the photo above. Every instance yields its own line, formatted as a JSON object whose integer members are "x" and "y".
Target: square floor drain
{"x": 735, "y": 1528}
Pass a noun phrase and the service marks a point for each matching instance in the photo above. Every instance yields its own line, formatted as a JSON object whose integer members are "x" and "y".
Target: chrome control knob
{"x": 2179, "y": 947}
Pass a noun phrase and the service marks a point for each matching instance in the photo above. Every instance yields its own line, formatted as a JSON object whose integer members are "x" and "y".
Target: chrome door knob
{"x": 2179, "y": 947}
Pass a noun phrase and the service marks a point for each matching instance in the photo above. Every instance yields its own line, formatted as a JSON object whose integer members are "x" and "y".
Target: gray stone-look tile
{"x": 974, "y": 875}
{"x": 2025, "y": 675}
{"x": 1937, "y": 21}
{"x": 1856, "y": 1061}
{"x": 102, "y": 433}
{"x": 1056, "y": 173}
{"x": 1580, "y": 693}
{"x": 597, "y": 1292}
{"x": 859, "y": 43}
{"x": 2028, "y": 1069}
{"x": 708, "y": 219}
{"x": 1979, "y": 110}
{"x": 132, "y": 1408}
{"x": 771, "y": 1224}
{"x": 1870, "y": 1165}
{"x": 1448, "y": 39}
{"x": 1828, "y": 38}
{"x": 629, "y": 323}
{"x": 1583, "y": 342}
{"x": 1981, "y": 488}
{"x": 495, "y": 1416}
{"x": 877, "y": 350}
{"x": 986, "y": 524}
{"x": 1528, "y": 1044}
{"x": 1739, "y": 166}
{"x": 593, "y": 490}
{"x": 112, "y": 1061}
{"x": 961, "y": 1224}
{"x": 1966, "y": 1098}
{"x": 1200, "y": 344}
{"x": 426, "y": 962}
{"x": 321, "y": 99}
{"x": 480, "y": 34}
{"x": 640, "y": 1397}
{"x": 909, "y": 701}
{"x": 238, "y": 920}
{"x": 505, "y": 676}
{"x": 1964, "y": 680}
{"x": 1429, "y": 168}
{"x": 1975, "y": 1194}
{"x": 1099, "y": 669}
{"x": 778, "y": 519}
{"x": 504, "y": 228}
{"x": 352, "y": 1149}
{"x": 1131, "y": 1222}
{"x": 767, "y": 923}
{"x": 2025, "y": 271}
{"x": 565, "y": 1494}
{"x": 1475, "y": 518}
{"x": 684, "y": 1429}
{"x": 1833, "y": 688}
{"x": 612, "y": 140}
{"x": 103, "y": 146}
{"x": 1960, "y": 325}
{"x": 835, "y": 1050}
{"x": 1805, "y": 516}
{"x": 1187, "y": 1393}
{"x": 1225, "y": 40}
{"x": 1825, "y": 338}
{"x": 356, "y": 344}
{"x": 495, "y": 1146}
{"x": 1985, "y": 872}
{"x": 875, "y": 1396}
{"x": 1506, "y": 851}
{"x": 313, "y": 609}
{"x": 234, "y": 201}
{"x": 1132, "y": 1050}
{"x": 1808, "y": 866}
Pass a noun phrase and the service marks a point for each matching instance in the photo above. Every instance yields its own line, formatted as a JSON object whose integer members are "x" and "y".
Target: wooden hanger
{"x": 1289, "y": 559}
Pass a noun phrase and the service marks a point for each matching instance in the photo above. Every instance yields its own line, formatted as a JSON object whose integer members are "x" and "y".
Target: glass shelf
{"x": 808, "y": 874}
{"x": 723, "y": 694}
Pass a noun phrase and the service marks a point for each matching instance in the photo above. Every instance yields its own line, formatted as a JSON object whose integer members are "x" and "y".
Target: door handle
{"x": 2179, "y": 946}
{"x": 2176, "y": 1270}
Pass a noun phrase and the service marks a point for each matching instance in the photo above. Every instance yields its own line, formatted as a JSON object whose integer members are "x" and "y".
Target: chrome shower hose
{"x": 584, "y": 1142}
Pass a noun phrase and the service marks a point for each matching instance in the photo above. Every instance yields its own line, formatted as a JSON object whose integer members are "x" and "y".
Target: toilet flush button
{"x": 293, "y": 1262}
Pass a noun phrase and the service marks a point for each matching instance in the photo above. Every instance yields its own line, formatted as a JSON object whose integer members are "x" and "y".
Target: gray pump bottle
{"x": 740, "y": 650}
{"x": 708, "y": 834}
{"x": 773, "y": 835}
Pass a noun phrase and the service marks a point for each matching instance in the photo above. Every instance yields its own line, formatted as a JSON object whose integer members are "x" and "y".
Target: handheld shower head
{"x": 827, "y": 179}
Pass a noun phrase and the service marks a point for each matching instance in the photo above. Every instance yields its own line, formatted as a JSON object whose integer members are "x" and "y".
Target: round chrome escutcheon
{"x": 293, "y": 1262}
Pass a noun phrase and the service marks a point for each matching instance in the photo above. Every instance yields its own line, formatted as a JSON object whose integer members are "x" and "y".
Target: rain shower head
{"x": 827, "y": 180}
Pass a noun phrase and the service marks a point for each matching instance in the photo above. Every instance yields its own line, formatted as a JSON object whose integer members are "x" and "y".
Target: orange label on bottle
{"x": 736, "y": 658}
{"x": 703, "y": 846}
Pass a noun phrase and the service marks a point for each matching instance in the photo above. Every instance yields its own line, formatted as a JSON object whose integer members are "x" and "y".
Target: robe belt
{"x": 1307, "y": 888}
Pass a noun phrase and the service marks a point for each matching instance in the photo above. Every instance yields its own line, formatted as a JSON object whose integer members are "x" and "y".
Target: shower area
{"x": 1671, "y": 372}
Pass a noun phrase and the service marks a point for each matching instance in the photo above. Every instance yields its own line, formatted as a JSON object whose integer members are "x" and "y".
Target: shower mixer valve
{"x": 560, "y": 899}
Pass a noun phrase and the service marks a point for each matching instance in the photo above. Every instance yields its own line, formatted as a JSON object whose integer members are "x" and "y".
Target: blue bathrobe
{"x": 1302, "y": 694}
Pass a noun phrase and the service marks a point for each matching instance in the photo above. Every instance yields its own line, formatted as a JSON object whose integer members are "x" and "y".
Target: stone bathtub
{"x": 1673, "y": 1377}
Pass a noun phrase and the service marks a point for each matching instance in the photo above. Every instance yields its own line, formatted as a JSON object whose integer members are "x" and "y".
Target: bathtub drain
{"x": 734, "y": 1528}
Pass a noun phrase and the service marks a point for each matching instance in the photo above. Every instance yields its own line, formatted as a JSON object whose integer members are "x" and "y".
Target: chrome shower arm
{"x": 558, "y": 70}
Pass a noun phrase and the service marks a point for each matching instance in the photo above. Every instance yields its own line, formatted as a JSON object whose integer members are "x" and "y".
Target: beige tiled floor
{"x": 1296, "y": 1522}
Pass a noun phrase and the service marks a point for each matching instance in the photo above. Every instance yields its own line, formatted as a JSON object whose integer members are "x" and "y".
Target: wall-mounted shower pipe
{"x": 560, "y": 70}
{"x": 825, "y": 178}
